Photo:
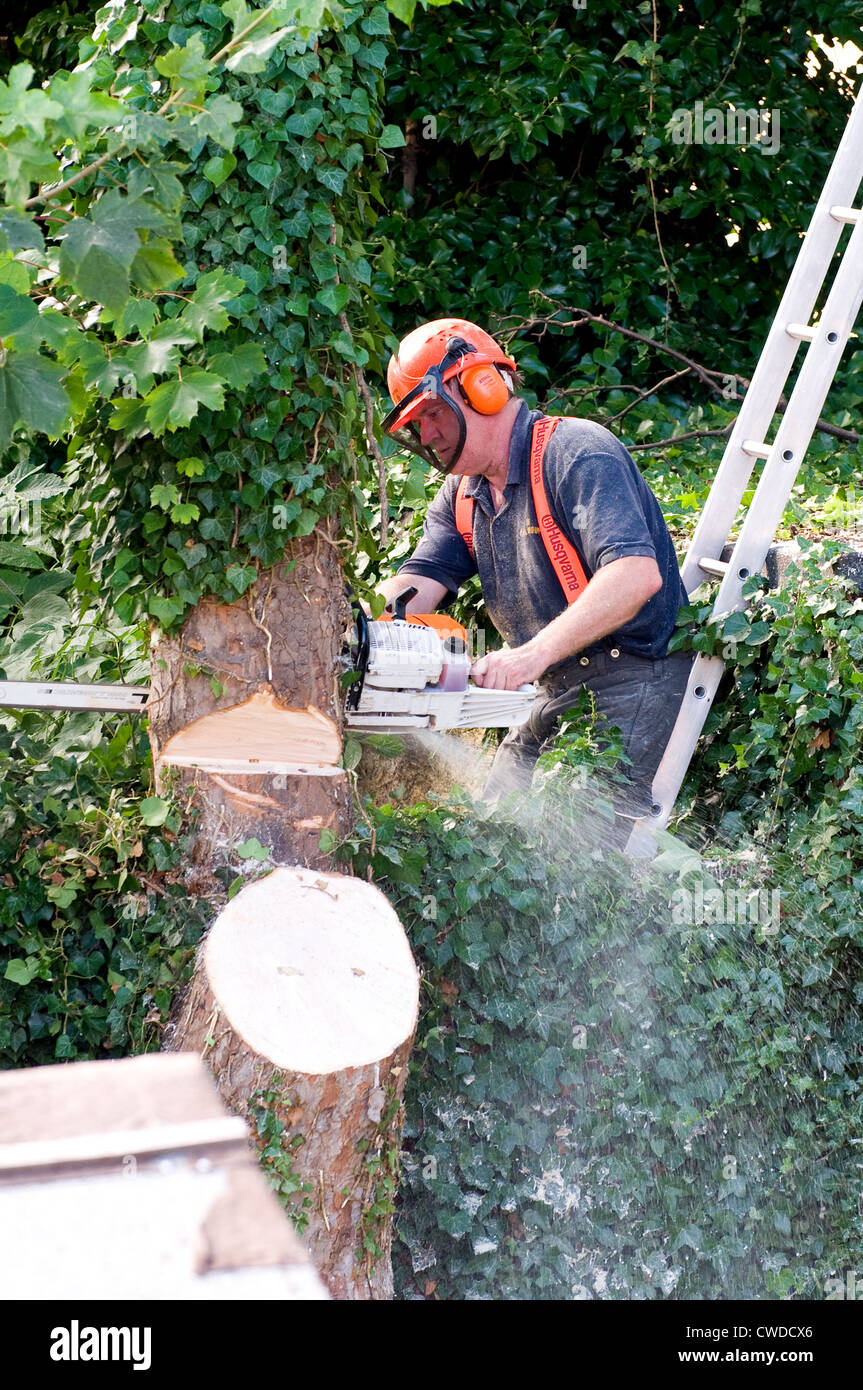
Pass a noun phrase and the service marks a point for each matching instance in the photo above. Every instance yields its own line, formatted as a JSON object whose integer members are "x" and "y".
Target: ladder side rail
{"x": 796, "y": 306}
{"x": 796, "y": 427}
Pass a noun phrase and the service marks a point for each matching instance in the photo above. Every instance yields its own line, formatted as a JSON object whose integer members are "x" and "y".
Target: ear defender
{"x": 484, "y": 389}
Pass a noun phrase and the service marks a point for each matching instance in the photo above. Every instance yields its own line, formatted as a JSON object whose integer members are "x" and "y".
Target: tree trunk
{"x": 258, "y": 682}
{"x": 304, "y": 1001}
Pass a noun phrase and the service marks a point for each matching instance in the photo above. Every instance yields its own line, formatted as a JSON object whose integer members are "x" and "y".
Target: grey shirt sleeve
{"x": 442, "y": 554}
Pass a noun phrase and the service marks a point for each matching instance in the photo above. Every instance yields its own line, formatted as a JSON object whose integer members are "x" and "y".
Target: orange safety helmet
{"x": 432, "y": 355}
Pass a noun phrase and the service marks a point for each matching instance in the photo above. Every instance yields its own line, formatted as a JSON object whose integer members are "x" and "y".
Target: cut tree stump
{"x": 304, "y": 1002}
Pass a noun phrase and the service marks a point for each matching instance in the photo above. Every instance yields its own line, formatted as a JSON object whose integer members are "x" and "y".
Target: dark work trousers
{"x": 639, "y": 696}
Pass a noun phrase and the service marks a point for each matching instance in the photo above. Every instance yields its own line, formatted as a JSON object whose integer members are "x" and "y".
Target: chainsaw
{"x": 409, "y": 672}
{"x": 413, "y": 672}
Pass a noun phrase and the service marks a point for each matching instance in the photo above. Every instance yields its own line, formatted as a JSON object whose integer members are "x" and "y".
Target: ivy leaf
{"x": 155, "y": 266}
{"x": 164, "y": 495}
{"x": 241, "y": 576}
{"x": 218, "y": 122}
{"x": 187, "y": 67}
{"x": 237, "y": 11}
{"x": 184, "y": 512}
{"x": 240, "y": 366}
{"x": 253, "y": 849}
{"x": 402, "y": 9}
{"x": 327, "y": 841}
{"x": 691, "y": 1236}
{"x": 377, "y": 22}
{"x": 334, "y": 297}
{"x": 252, "y": 57}
{"x": 206, "y": 310}
{"x": 391, "y": 137}
{"x": 30, "y": 392}
{"x": 304, "y": 122}
{"x": 176, "y": 403}
{"x": 21, "y": 972}
{"x": 154, "y": 810}
{"x": 758, "y": 633}
{"x": 166, "y": 610}
{"x": 309, "y": 16}
{"x": 219, "y": 168}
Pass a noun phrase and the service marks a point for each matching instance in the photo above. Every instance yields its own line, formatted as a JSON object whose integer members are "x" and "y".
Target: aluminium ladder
{"x": 783, "y": 456}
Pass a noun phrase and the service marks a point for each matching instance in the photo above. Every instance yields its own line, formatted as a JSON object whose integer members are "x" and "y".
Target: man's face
{"x": 439, "y": 427}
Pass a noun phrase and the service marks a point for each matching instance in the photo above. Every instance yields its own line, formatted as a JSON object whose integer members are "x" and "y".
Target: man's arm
{"x": 429, "y": 591}
{"x": 613, "y": 596}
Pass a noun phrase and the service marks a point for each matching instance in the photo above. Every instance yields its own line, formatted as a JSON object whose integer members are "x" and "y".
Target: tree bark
{"x": 304, "y": 1001}
{"x": 271, "y": 657}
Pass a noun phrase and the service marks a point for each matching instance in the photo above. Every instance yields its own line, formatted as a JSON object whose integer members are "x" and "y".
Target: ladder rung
{"x": 846, "y": 214}
{"x": 757, "y": 450}
{"x": 710, "y": 566}
{"x": 801, "y": 331}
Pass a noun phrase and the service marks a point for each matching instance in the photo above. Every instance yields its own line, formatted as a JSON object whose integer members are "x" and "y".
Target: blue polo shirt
{"x": 602, "y": 505}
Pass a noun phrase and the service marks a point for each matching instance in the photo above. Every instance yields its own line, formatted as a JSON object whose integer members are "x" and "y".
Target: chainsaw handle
{"x": 399, "y": 604}
{"x": 356, "y": 689}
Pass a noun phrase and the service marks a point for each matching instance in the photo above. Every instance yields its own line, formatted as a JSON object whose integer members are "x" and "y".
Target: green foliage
{"x": 200, "y": 271}
{"x": 116, "y": 229}
{"x": 377, "y": 1177}
{"x": 782, "y": 752}
{"x": 546, "y": 166}
{"x": 268, "y": 1115}
{"x": 649, "y": 1086}
{"x": 190, "y": 317}
{"x": 273, "y": 416}
{"x": 96, "y": 927}
{"x": 605, "y": 1099}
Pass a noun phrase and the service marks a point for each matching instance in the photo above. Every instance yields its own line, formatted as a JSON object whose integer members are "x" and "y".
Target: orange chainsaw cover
{"x": 447, "y": 627}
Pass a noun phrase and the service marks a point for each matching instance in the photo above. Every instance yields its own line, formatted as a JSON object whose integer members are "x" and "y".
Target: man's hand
{"x": 613, "y": 596}
{"x": 508, "y": 669}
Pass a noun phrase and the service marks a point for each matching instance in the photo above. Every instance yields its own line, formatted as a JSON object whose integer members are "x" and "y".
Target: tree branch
{"x": 678, "y": 438}
{"x": 716, "y": 381}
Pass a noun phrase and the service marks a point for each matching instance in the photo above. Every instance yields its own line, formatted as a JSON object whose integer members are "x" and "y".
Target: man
{"x": 577, "y": 568}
